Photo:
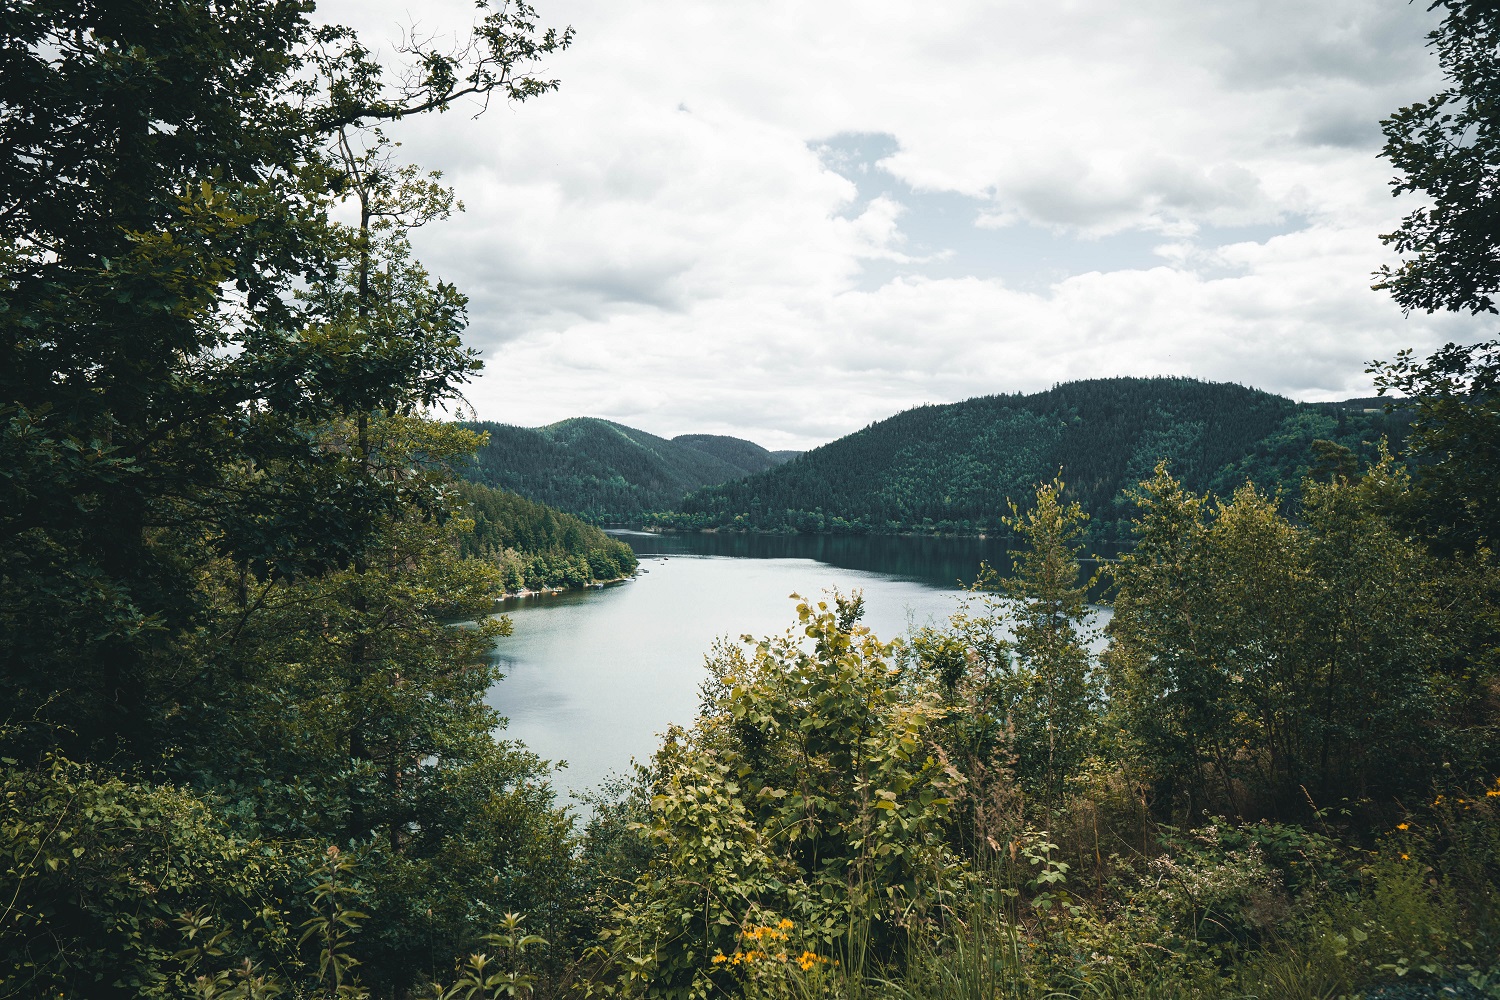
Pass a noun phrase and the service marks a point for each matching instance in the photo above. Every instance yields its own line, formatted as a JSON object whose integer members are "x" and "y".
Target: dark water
{"x": 940, "y": 562}
{"x": 594, "y": 677}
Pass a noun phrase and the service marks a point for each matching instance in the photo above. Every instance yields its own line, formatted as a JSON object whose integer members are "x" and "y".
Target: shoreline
{"x": 654, "y": 530}
{"x": 550, "y": 591}
{"x": 1118, "y": 548}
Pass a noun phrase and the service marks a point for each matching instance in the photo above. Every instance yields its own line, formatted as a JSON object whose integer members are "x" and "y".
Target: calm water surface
{"x": 593, "y": 677}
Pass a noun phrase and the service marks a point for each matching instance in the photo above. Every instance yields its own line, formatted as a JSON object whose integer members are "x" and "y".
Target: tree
{"x": 164, "y": 191}
{"x": 348, "y": 709}
{"x": 1257, "y": 661}
{"x": 1455, "y": 435}
{"x": 1050, "y": 681}
{"x": 1167, "y": 694}
{"x": 1447, "y": 148}
{"x": 229, "y": 547}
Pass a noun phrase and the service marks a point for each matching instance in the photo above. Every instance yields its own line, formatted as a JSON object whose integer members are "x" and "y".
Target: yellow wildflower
{"x": 1403, "y": 826}
{"x": 720, "y": 958}
{"x": 787, "y": 925}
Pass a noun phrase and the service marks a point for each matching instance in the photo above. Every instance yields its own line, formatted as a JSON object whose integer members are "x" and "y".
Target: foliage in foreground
{"x": 145, "y": 890}
{"x": 987, "y": 808}
{"x": 238, "y": 718}
{"x": 1225, "y": 801}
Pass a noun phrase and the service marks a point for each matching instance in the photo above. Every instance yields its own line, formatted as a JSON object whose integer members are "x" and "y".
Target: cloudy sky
{"x": 784, "y": 220}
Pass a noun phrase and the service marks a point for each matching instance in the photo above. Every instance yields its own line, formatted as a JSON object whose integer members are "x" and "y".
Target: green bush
{"x": 104, "y": 876}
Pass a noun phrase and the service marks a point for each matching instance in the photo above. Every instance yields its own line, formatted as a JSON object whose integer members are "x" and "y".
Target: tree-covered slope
{"x": 745, "y": 455}
{"x": 536, "y": 546}
{"x": 607, "y": 472}
{"x": 954, "y": 467}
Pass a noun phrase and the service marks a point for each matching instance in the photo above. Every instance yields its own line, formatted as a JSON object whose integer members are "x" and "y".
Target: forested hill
{"x": 953, "y": 467}
{"x": 742, "y": 454}
{"x": 607, "y": 472}
{"x": 537, "y": 547}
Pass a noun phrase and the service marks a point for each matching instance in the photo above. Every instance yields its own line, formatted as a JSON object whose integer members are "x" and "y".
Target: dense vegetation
{"x": 608, "y": 473}
{"x": 243, "y": 629}
{"x": 953, "y": 468}
{"x": 1276, "y": 780}
{"x": 238, "y": 723}
{"x": 537, "y": 547}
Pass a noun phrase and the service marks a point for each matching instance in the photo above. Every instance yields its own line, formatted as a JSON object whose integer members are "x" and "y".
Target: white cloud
{"x": 662, "y": 242}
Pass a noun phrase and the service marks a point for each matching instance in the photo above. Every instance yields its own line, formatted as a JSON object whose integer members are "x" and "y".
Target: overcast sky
{"x": 785, "y": 220}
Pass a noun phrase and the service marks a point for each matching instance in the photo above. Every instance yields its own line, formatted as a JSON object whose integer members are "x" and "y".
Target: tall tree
{"x": 1167, "y": 693}
{"x": 1447, "y": 148}
{"x": 165, "y": 189}
{"x": 228, "y": 550}
{"x": 1051, "y": 681}
{"x": 348, "y": 709}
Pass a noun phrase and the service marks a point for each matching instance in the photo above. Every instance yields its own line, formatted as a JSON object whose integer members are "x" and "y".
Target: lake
{"x": 593, "y": 677}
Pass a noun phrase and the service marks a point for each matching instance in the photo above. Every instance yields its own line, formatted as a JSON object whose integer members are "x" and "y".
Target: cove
{"x": 594, "y": 677}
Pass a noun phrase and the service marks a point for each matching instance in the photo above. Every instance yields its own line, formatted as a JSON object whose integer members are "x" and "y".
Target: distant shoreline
{"x": 1093, "y": 557}
{"x": 792, "y": 534}
{"x": 548, "y": 591}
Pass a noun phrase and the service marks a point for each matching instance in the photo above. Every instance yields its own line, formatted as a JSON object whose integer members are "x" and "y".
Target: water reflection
{"x": 940, "y": 562}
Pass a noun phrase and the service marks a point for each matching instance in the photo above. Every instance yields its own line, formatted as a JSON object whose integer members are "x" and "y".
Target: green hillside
{"x": 952, "y": 468}
{"x": 742, "y": 454}
{"x": 607, "y": 472}
{"x": 537, "y": 546}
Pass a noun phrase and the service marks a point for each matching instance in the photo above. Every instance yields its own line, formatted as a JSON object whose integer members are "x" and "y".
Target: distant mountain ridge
{"x": 607, "y": 472}
{"x": 954, "y": 467}
{"x": 738, "y": 452}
